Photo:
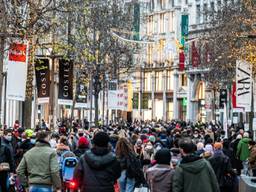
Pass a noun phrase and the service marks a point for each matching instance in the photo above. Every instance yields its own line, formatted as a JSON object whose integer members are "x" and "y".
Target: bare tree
{"x": 222, "y": 41}
{"x": 91, "y": 41}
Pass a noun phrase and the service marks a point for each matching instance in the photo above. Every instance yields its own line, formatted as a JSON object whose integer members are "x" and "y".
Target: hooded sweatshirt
{"x": 194, "y": 175}
{"x": 159, "y": 178}
{"x": 97, "y": 170}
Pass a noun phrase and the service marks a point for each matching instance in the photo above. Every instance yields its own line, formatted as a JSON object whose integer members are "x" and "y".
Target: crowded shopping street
{"x": 128, "y": 96}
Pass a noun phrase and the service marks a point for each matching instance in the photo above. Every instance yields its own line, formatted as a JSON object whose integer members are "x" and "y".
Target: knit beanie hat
{"x": 163, "y": 156}
{"x": 83, "y": 142}
{"x": 101, "y": 139}
{"x": 152, "y": 138}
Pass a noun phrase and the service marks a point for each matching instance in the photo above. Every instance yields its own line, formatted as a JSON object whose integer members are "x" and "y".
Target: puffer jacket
{"x": 97, "y": 170}
{"x": 41, "y": 165}
{"x": 159, "y": 178}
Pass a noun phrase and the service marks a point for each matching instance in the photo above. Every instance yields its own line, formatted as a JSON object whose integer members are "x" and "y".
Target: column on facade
{"x": 189, "y": 99}
{"x": 164, "y": 81}
{"x": 175, "y": 91}
{"x": 153, "y": 95}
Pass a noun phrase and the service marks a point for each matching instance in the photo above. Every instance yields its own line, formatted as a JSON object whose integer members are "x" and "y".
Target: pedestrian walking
{"x": 98, "y": 169}
{"x": 222, "y": 168}
{"x": 243, "y": 151}
{"x": 194, "y": 173}
{"x": 6, "y": 166}
{"x": 39, "y": 168}
{"x": 159, "y": 177}
{"x": 130, "y": 166}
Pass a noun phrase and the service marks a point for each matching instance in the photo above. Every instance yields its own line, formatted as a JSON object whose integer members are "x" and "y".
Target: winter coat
{"x": 159, "y": 178}
{"x": 41, "y": 165}
{"x": 6, "y": 157}
{"x": 194, "y": 175}
{"x": 243, "y": 149}
{"x": 97, "y": 170}
{"x": 221, "y": 166}
{"x": 252, "y": 158}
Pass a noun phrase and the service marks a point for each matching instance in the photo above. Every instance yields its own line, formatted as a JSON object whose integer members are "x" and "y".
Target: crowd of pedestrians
{"x": 151, "y": 156}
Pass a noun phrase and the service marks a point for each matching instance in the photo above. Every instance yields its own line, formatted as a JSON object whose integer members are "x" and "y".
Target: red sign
{"x": 195, "y": 56}
{"x": 17, "y": 52}
{"x": 182, "y": 61}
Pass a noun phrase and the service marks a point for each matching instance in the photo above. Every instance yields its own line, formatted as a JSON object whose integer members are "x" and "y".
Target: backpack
{"x": 68, "y": 162}
{"x": 134, "y": 169}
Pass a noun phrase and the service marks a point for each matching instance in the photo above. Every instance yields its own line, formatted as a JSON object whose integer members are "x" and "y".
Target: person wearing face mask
{"x": 7, "y": 139}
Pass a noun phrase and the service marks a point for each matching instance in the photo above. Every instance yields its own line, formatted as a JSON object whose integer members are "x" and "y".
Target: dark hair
{"x": 41, "y": 135}
{"x": 252, "y": 142}
{"x": 187, "y": 145}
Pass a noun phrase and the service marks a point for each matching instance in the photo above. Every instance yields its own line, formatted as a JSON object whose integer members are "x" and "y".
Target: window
{"x": 205, "y": 13}
{"x": 171, "y": 21}
{"x": 150, "y": 25}
{"x": 183, "y": 80}
{"x": 150, "y": 54}
{"x": 161, "y": 50}
{"x": 162, "y": 4}
{"x": 162, "y": 23}
{"x": 147, "y": 81}
{"x": 169, "y": 80}
{"x": 198, "y": 14}
{"x": 158, "y": 81}
{"x": 152, "y": 5}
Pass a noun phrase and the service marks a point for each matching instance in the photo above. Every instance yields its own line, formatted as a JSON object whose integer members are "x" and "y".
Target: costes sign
{"x": 243, "y": 84}
{"x": 65, "y": 82}
{"x": 42, "y": 80}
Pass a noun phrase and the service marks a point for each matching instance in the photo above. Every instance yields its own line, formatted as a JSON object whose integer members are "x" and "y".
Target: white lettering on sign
{"x": 243, "y": 84}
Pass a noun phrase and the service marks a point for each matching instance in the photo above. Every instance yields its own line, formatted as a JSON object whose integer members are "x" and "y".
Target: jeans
{"x": 3, "y": 182}
{"x": 40, "y": 188}
{"x": 126, "y": 184}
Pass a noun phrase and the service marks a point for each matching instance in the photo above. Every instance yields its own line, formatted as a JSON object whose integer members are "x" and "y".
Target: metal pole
{"x": 103, "y": 103}
{"x": 91, "y": 81}
{"x": 5, "y": 88}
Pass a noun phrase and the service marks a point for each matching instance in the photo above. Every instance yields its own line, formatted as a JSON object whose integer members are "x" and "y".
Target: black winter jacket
{"x": 97, "y": 171}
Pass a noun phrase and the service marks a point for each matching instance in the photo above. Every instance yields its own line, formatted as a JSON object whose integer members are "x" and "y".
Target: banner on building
{"x": 243, "y": 84}
{"x": 182, "y": 61}
{"x": 184, "y": 29}
{"x": 17, "y": 71}
{"x": 118, "y": 98}
{"x": 208, "y": 101}
{"x": 42, "y": 72}
{"x": 195, "y": 56}
{"x": 65, "y": 82}
{"x": 135, "y": 101}
{"x": 82, "y": 91}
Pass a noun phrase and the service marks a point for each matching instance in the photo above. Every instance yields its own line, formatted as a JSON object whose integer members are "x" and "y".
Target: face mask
{"x": 8, "y": 138}
{"x": 195, "y": 135}
{"x": 23, "y": 140}
{"x": 33, "y": 141}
